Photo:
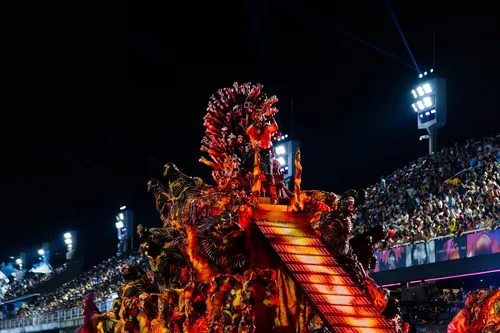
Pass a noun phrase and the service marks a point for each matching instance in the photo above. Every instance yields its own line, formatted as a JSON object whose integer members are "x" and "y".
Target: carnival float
{"x": 480, "y": 315}
{"x": 248, "y": 254}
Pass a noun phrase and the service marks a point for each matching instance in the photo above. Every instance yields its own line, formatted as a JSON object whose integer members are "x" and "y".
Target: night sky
{"x": 95, "y": 97}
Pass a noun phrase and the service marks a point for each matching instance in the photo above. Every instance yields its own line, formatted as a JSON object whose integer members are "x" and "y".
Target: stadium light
{"x": 19, "y": 261}
{"x": 429, "y": 103}
{"x": 123, "y": 207}
{"x": 119, "y": 225}
{"x": 280, "y": 150}
{"x": 120, "y": 217}
{"x": 67, "y": 235}
{"x": 41, "y": 252}
{"x": 281, "y": 161}
{"x": 68, "y": 241}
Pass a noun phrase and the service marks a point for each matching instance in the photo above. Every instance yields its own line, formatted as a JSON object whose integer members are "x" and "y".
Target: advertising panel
{"x": 420, "y": 254}
{"x": 392, "y": 258}
{"x": 377, "y": 264}
{"x": 483, "y": 243}
{"x": 439, "y": 250}
{"x": 451, "y": 248}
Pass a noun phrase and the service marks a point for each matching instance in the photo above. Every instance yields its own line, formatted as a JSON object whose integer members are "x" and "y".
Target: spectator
{"x": 437, "y": 195}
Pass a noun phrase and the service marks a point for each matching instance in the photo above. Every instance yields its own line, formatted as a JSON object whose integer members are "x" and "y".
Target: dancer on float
{"x": 260, "y": 132}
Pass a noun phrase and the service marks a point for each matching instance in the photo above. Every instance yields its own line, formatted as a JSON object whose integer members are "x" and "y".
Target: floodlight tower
{"x": 285, "y": 154}
{"x": 429, "y": 103}
{"x": 70, "y": 241}
{"x": 125, "y": 230}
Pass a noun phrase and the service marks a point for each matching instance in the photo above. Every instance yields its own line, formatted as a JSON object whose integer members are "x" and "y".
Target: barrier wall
{"x": 47, "y": 321}
{"x": 439, "y": 250}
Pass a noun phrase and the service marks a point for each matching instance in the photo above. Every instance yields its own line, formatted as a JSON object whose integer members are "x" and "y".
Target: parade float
{"x": 248, "y": 254}
{"x": 480, "y": 315}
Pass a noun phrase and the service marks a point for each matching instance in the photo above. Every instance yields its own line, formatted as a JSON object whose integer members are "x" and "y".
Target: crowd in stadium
{"x": 103, "y": 280}
{"x": 31, "y": 281}
{"x": 450, "y": 192}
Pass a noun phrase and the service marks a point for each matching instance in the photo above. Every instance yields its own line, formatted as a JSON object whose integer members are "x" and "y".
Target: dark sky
{"x": 89, "y": 91}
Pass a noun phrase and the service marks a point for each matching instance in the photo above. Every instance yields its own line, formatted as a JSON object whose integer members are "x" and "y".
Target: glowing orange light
{"x": 281, "y": 224}
{"x": 320, "y": 251}
{"x": 342, "y": 310}
{"x": 300, "y": 268}
{"x": 324, "y": 279}
{"x": 332, "y": 290}
{"x": 313, "y": 241}
{"x": 358, "y": 322}
{"x": 312, "y": 260}
{"x": 340, "y": 300}
{"x": 286, "y": 231}
{"x": 362, "y": 330}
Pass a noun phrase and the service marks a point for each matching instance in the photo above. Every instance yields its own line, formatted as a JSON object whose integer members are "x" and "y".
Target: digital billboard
{"x": 483, "y": 243}
{"x": 438, "y": 250}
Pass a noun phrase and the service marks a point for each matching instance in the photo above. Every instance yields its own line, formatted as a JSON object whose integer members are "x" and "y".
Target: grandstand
{"x": 453, "y": 192}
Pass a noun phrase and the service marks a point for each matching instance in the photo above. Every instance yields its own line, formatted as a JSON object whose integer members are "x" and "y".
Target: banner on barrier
{"x": 392, "y": 258}
{"x": 420, "y": 254}
{"x": 483, "y": 243}
{"x": 451, "y": 248}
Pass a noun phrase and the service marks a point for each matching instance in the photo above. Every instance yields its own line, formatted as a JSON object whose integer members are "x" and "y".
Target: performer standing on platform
{"x": 260, "y": 133}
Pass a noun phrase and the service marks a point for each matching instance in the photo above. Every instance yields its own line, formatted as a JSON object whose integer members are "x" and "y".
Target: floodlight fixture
{"x": 67, "y": 235}
{"x": 427, "y": 88}
{"x": 68, "y": 241}
{"x": 120, "y": 216}
{"x": 420, "y": 76}
{"x": 280, "y": 150}
{"x": 420, "y": 91}
{"x": 119, "y": 225}
{"x": 41, "y": 252}
{"x": 427, "y": 102}
{"x": 123, "y": 207}
{"x": 281, "y": 161}
{"x": 19, "y": 261}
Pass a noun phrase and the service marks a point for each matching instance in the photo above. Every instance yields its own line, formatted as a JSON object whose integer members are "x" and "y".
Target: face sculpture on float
{"x": 225, "y": 262}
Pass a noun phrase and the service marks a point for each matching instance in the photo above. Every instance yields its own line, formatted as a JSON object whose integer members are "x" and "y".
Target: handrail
{"x": 437, "y": 238}
{"x": 47, "y": 318}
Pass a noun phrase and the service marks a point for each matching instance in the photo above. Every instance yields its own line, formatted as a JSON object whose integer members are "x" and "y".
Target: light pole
{"x": 70, "y": 246}
{"x": 429, "y": 103}
{"x": 124, "y": 227}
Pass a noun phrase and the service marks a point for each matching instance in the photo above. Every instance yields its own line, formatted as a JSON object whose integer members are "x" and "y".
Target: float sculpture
{"x": 248, "y": 254}
{"x": 481, "y": 313}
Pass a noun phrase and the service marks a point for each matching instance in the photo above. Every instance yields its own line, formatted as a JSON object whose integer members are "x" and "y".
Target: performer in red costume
{"x": 89, "y": 310}
{"x": 260, "y": 133}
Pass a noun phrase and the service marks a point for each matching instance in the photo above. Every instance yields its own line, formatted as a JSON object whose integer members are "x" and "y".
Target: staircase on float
{"x": 338, "y": 300}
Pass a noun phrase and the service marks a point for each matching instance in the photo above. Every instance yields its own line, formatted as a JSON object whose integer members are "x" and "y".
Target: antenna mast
{"x": 433, "y": 48}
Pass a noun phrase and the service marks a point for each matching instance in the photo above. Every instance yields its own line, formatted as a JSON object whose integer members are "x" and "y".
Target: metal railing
{"x": 47, "y": 318}
{"x": 438, "y": 238}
